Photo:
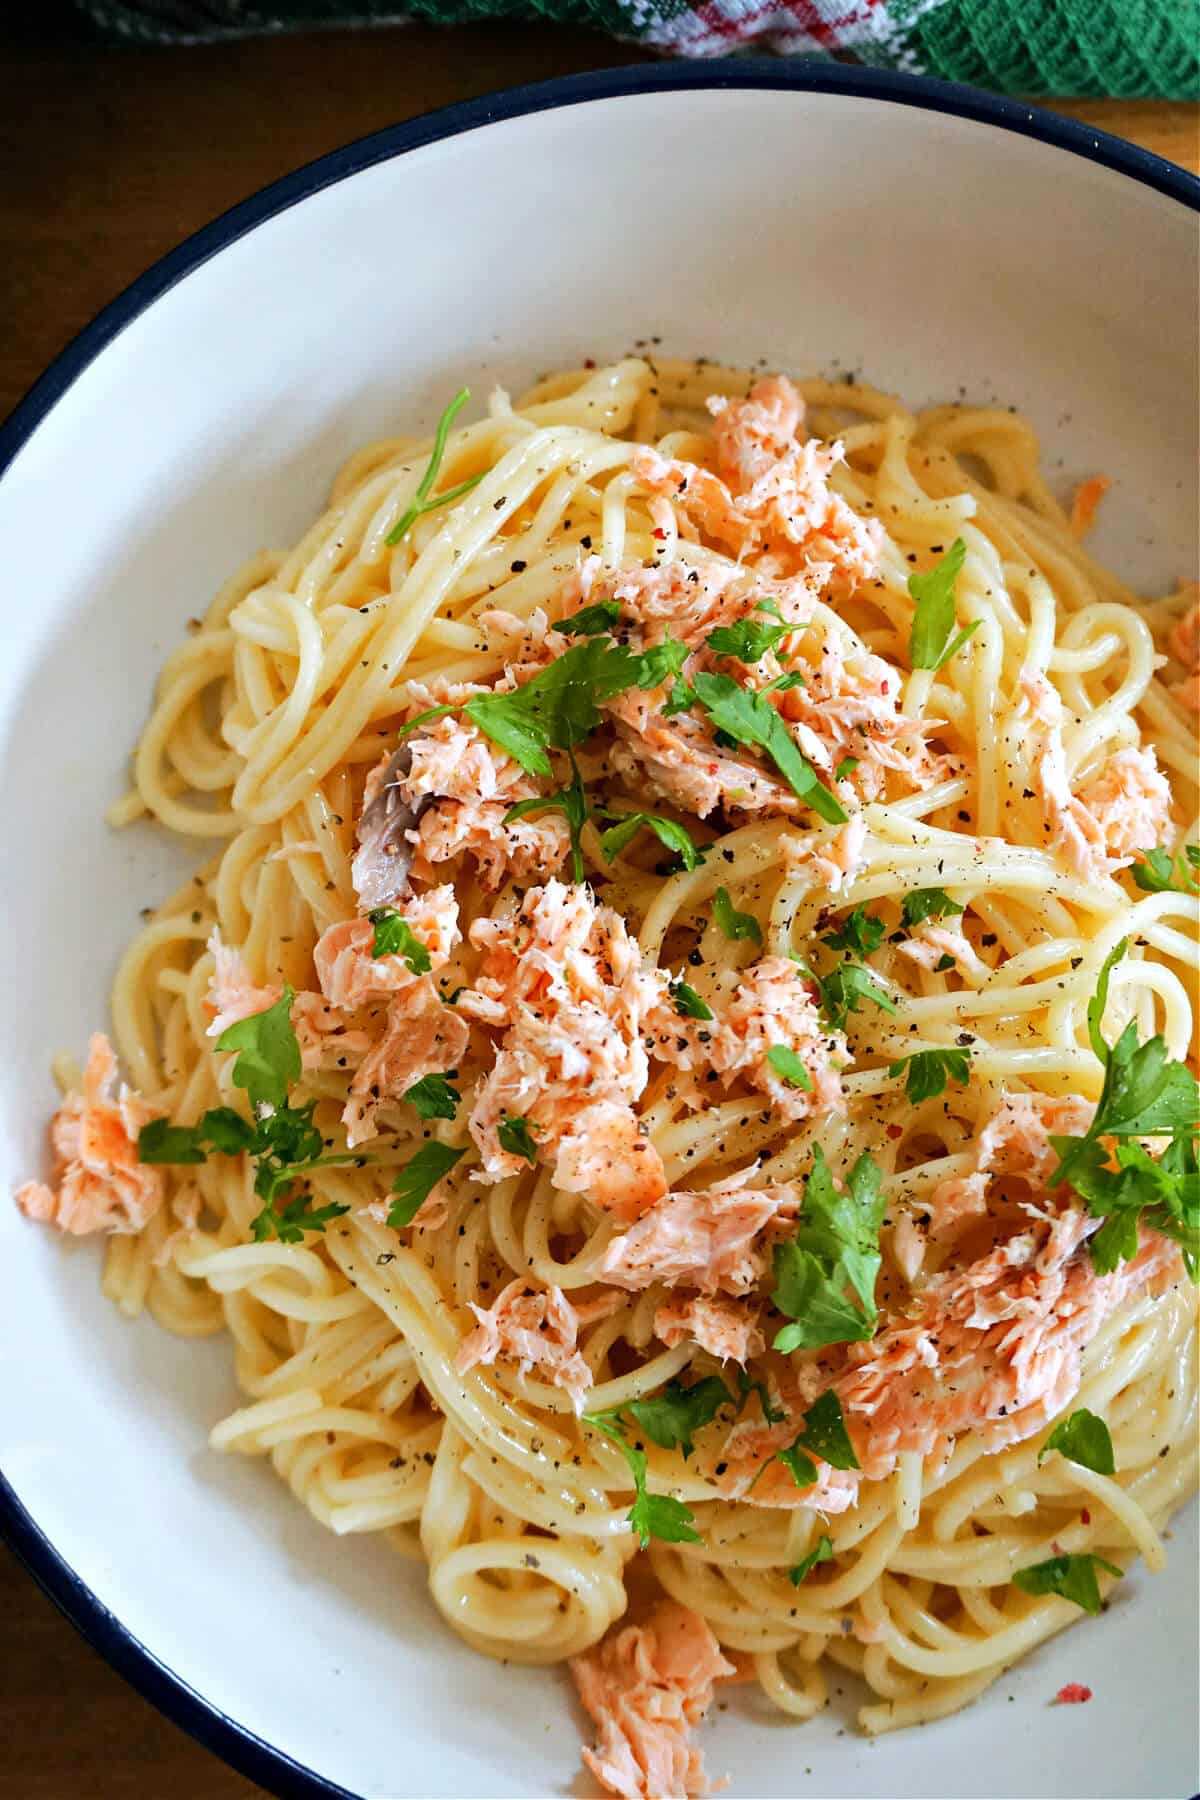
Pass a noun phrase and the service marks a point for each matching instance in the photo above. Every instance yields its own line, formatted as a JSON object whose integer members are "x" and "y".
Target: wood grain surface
{"x": 108, "y": 157}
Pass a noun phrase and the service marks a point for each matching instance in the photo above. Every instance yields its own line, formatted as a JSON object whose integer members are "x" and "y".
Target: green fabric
{"x": 1123, "y": 48}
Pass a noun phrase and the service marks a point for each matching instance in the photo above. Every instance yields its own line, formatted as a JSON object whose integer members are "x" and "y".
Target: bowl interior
{"x": 814, "y": 230}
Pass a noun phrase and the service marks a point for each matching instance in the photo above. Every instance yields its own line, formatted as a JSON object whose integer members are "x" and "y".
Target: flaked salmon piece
{"x": 327, "y": 1039}
{"x": 789, "y": 510}
{"x": 564, "y": 983}
{"x": 717, "y": 1241}
{"x": 232, "y": 995}
{"x": 1130, "y": 800}
{"x": 750, "y": 436}
{"x": 350, "y": 976}
{"x": 685, "y": 602}
{"x": 644, "y": 1688}
{"x": 1086, "y": 501}
{"x": 930, "y": 943}
{"x": 772, "y": 1008}
{"x": 681, "y": 761}
{"x": 836, "y": 862}
{"x": 1014, "y": 1146}
{"x": 1184, "y": 646}
{"x": 1124, "y": 807}
{"x": 849, "y": 707}
{"x": 995, "y": 1348}
{"x": 728, "y": 1329}
{"x": 422, "y": 1036}
{"x": 606, "y": 1156}
{"x": 536, "y": 1329}
{"x": 97, "y": 1183}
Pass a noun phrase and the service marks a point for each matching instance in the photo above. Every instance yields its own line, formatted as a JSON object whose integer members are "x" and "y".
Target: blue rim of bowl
{"x": 251, "y": 1755}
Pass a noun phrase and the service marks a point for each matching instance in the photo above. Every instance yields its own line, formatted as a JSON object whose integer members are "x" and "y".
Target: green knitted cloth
{"x": 1125, "y": 48}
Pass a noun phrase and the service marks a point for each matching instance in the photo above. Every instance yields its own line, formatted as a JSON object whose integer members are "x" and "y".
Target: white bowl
{"x": 821, "y": 218}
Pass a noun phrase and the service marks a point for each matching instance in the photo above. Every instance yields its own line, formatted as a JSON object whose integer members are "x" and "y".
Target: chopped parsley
{"x": 734, "y": 924}
{"x": 516, "y": 1136}
{"x": 1084, "y": 1439}
{"x": 821, "y": 1552}
{"x": 927, "y": 903}
{"x": 433, "y": 1096}
{"x": 824, "y": 1435}
{"x": 651, "y": 1515}
{"x": 749, "y": 640}
{"x": 1071, "y": 1577}
{"x": 773, "y": 1415}
{"x": 1144, "y": 1094}
{"x": 669, "y": 1419}
{"x": 788, "y": 1066}
{"x": 825, "y": 1275}
{"x": 846, "y": 768}
{"x": 930, "y": 1070}
{"x": 1161, "y": 873}
{"x": 417, "y": 1179}
{"x": 394, "y": 936}
{"x": 268, "y": 1054}
{"x": 292, "y": 1219}
{"x": 620, "y": 835}
{"x": 421, "y": 503}
{"x": 930, "y": 643}
{"x": 748, "y": 718}
{"x": 859, "y": 932}
{"x": 591, "y": 621}
{"x": 844, "y": 990}
{"x": 687, "y": 1001}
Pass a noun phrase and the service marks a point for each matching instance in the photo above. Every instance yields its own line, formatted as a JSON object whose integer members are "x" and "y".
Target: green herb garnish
{"x": 734, "y": 924}
{"x": 930, "y": 1070}
{"x": 859, "y": 932}
{"x": 1072, "y": 1577}
{"x": 394, "y": 936}
{"x": 596, "y": 620}
{"x": 927, "y": 903}
{"x": 416, "y": 1181}
{"x": 687, "y": 1001}
{"x": 1084, "y": 1439}
{"x": 421, "y": 503}
{"x": 619, "y": 836}
{"x": 651, "y": 1515}
{"x": 930, "y": 644}
{"x": 825, "y": 1275}
{"x": 516, "y": 1136}
{"x": 822, "y": 1552}
{"x": 788, "y": 1066}
{"x": 1159, "y": 872}
{"x": 433, "y": 1096}
{"x": 844, "y": 990}
{"x": 823, "y": 1434}
{"x": 748, "y": 718}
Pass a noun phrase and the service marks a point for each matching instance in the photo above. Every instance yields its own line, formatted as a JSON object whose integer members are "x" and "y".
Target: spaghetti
{"x": 856, "y": 972}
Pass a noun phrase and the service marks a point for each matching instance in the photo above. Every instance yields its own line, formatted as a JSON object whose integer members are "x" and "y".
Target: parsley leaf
{"x": 822, "y": 1552}
{"x": 846, "y": 767}
{"x": 651, "y": 1515}
{"x": 748, "y": 718}
{"x": 590, "y": 621}
{"x": 859, "y": 931}
{"x": 1073, "y": 1577}
{"x": 681, "y": 699}
{"x": 802, "y": 1469}
{"x": 571, "y": 802}
{"x": 1160, "y": 873}
{"x": 836, "y": 1247}
{"x": 1145, "y": 1094}
{"x": 416, "y": 1181}
{"x": 773, "y": 1415}
{"x": 789, "y": 1067}
{"x": 1083, "y": 1438}
{"x": 930, "y": 1070}
{"x": 619, "y": 836}
{"x": 688, "y": 1003}
{"x": 516, "y": 1136}
{"x": 844, "y": 989}
{"x": 162, "y": 1142}
{"x": 661, "y": 663}
{"x": 560, "y": 706}
{"x": 394, "y": 936}
{"x": 933, "y": 620}
{"x": 421, "y": 503}
{"x": 927, "y": 903}
{"x": 433, "y": 1096}
{"x": 228, "y": 1132}
{"x": 670, "y": 1418}
{"x": 823, "y": 1434}
{"x": 734, "y": 924}
{"x": 290, "y": 1221}
{"x": 749, "y": 639}
{"x": 269, "y": 1056}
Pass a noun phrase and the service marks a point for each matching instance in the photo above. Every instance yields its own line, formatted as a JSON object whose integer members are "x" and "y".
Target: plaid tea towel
{"x": 1123, "y": 48}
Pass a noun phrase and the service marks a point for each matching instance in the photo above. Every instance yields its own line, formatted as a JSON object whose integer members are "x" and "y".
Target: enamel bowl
{"x": 823, "y": 218}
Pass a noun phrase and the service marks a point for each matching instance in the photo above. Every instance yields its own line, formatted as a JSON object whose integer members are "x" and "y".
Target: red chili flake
{"x": 1085, "y": 1517}
{"x": 895, "y": 1131}
{"x": 589, "y": 362}
{"x": 1074, "y": 1694}
{"x": 658, "y": 532}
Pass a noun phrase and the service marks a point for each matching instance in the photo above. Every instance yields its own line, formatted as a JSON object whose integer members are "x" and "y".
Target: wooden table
{"x": 107, "y": 159}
